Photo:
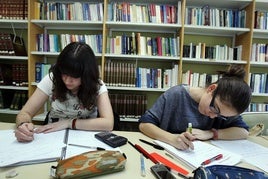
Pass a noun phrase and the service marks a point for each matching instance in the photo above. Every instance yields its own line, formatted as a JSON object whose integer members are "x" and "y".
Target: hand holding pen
{"x": 25, "y": 132}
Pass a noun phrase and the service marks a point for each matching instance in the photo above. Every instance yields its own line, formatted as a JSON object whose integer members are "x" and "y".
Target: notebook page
{"x": 202, "y": 151}
{"x": 44, "y": 147}
{"x": 86, "y": 138}
{"x": 251, "y": 152}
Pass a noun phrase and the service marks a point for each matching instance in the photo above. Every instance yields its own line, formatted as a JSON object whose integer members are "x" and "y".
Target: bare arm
{"x": 231, "y": 133}
{"x": 181, "y": 141}
{"x": 106, "y": 119}
{"x": 24, "y": 131}
{"x": 104, "y": 122}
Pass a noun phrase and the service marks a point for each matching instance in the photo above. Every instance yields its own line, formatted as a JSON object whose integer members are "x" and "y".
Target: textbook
{"x": 202, "y": 152}
{"x": 46, "y": 147}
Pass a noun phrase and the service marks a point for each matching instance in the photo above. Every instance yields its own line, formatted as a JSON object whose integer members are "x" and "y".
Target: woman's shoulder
{"x": 178, "y": 89}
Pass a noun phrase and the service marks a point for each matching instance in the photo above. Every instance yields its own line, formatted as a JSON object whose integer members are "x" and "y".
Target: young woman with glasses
{"x": 214, "y": 111}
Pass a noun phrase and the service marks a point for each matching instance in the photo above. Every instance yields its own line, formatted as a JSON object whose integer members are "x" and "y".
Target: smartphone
{"x": 160, "y": 171}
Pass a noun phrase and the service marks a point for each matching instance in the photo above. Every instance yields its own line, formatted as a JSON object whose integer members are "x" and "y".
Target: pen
{"x": 133, "y": 145}
{"x": 189, "y": 129}
{"x": 208, "y": 161}
{"x": 143, "y": 173}
{"x": 146, "y": 154}
{"x": 85, "y": 146}
{"x": 152, "y": 144}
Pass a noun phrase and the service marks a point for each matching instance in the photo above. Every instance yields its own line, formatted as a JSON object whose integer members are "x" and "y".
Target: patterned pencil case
{"x": 90, "y": 164}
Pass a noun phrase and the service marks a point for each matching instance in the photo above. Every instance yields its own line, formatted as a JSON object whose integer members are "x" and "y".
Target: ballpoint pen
{"x": 208, "y": 161}
{"x": 143, "y": 172}
{"x": 152, "y": 144}
{"x": 85, "y": 146}
{"x": 145, "y": 153}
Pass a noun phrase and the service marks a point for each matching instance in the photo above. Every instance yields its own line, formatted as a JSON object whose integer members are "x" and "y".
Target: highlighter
{"x": 189, "y": 129}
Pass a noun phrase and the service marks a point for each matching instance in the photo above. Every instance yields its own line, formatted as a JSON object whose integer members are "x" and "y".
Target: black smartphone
{"x": 111, "y": 139}
{"x": 160, "y": 171}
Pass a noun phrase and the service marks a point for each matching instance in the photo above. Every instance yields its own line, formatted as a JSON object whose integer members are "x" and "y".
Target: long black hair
{"x": 232, "y": 89}
{"x": 77, "y": 60}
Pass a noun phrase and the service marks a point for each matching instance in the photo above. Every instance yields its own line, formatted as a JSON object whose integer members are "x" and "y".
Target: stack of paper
{"x": 202, "y": 151}
{"x": 44, "y": 148}
{"x": 251, "y": 152}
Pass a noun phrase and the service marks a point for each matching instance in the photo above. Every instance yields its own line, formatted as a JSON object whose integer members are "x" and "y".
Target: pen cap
{"x": 190, "y": 125}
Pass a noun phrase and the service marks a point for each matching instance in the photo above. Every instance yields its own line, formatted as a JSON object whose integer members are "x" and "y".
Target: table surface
{"x": 132, "y": 170}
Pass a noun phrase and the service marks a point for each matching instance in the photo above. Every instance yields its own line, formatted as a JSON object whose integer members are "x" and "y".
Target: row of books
{"x": 11, "y": 45}
{"x": 142, "y": 45}
{"x": 208, "y": 16}
{"x": 41, "y": 70}
{"x": 55, "y": 42}
{"x": 15, "y": 9}
{"x": 80, "y": 11}
{"x": 258, "y": 107}
{"x": 120, "y": 74}
{"x": 128, "y": 75}
{"x": 259, "y": 52}
{"x": 13, "y": 100}
{"x": 258, "y": 82}
{"x": 217, "y": 52}
{"x": 129, "y": 105}
{"x": 261, "y": 20}
{"x": 14, "y": 74}
{"x": 198, "y": 79}
{"x": 144, "y": 13}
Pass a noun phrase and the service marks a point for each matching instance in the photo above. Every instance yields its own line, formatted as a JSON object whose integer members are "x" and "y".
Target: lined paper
{"x": 202, "y": 151}
{"x": 251, "y": 152}
{"x": 44, "y": 147}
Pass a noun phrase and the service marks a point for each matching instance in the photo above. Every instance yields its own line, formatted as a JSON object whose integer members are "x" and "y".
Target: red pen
{"x": 146, "y": 154}
{"x": 208, "y": 161}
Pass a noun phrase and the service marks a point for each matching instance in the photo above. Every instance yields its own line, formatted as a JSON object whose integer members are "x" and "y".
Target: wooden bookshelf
{"x": 211, "y": 35}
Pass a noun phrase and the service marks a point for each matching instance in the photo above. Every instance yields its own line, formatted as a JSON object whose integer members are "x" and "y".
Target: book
{"x": 202, "y": 151}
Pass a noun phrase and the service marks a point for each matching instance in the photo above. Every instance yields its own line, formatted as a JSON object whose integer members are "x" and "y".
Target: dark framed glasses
{"x": 216, "y": 110}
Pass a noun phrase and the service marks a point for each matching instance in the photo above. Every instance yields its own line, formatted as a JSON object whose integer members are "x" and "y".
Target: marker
{"x": 208, "y": 161}
{"x": 85, "y": 146}
{"x": 189, "y": 129}
{"x": 143, "y": 172}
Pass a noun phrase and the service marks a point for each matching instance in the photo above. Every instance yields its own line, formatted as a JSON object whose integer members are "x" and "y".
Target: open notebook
{"x": 45, "y": 147}
{"x": 202, "y": 151}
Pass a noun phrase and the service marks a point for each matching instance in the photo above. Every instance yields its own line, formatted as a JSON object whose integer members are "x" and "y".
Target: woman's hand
{"x": 25, "y": 132}
{"x": 52, "y": 127}
{"x": 202, "y": 134}
{"x": 183, "y": 141}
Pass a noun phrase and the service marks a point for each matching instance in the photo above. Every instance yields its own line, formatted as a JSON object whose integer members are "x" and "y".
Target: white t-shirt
{"x": 69, "y": 109}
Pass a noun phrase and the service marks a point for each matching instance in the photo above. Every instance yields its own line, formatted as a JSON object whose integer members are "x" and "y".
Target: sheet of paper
{"x": 202, "y": 151}
{"x": 44, "y": 147}
{"x": 86, "y": 138}
{"x": 251, "y": 152}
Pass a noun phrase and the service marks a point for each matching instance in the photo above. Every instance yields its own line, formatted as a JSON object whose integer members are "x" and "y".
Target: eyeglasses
{"x": 214, "y": 109}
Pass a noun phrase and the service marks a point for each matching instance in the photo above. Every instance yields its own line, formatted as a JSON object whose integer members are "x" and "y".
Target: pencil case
{"x": 89, "y": 164}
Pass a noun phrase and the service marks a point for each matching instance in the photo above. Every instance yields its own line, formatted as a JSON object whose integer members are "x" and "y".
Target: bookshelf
{"x": 9, "y": 76}
{"x": 181, "y": 30}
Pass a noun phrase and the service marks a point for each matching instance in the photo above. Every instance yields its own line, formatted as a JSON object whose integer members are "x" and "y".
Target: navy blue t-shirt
{"x": 175, "y": 108}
